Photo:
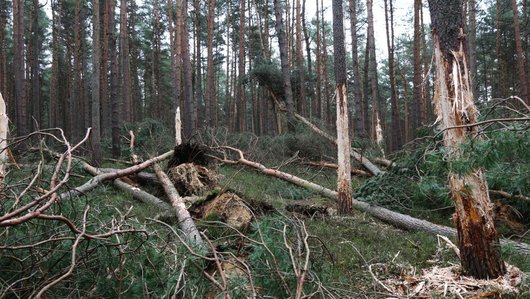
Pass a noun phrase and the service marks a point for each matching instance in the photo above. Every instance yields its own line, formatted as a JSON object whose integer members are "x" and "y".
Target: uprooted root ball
{"x": 192, "y": 179}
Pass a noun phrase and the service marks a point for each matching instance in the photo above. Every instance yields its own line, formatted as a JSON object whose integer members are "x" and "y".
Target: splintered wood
{"x": 448, "y": 281}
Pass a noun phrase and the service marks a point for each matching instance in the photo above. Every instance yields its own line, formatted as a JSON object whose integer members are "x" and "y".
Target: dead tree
{"x": 453, "y": 100}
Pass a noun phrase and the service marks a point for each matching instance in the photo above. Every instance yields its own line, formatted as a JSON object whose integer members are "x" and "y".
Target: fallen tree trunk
{"x": 396, "y": 219}
{"x": 509, "y": 195}
{"x": 136, "y": 192}
{"x": 95, "y": 181}
{"x": 335, "y": 166}
{"x": 185, "y": 221}
{"x": 363, "y": 160}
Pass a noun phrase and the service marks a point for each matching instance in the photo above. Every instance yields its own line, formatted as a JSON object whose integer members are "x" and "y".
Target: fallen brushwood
{"x": 385, "y": 215}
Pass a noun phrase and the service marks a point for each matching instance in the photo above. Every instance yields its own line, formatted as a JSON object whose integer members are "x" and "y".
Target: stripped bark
{"x": 185, "y": 221}
{"x": 394, "y": 218}
{"x": 453, "y": 99}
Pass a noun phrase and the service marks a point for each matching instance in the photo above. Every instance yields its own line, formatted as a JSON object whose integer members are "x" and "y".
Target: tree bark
{"x": 477, "y": 237}
{"x": 358, "y": 123}
{"x": 344, "y": 193}
{"x": 471, "y": 35}
{"x": 34, "y": 64}
{"x": 4, "y": 123}
{"x": 199, "y": 99}
{"x": 241, "y": 89}
{"x": 115, "y": 101}
{"x": 3, "y": 54}
{"x": 189, "y": 121}
{"x": 95, "y": 138}
{"x": 396, "y": 122}
{"x": 211, "y": 96}
{"x": 125, "y": 65}
{"x": 18, "y": 68}
{"x": 417, "y": 95}
{"x": 301, "y": 105}
{"x": 523, "y": 88}
{"x": 318, "y": 99}
{"x": 284, "y": 58}
{"x": 372, "y": 71}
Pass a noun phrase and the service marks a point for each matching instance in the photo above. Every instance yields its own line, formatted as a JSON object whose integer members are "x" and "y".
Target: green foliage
{"x": 419, "y": 180}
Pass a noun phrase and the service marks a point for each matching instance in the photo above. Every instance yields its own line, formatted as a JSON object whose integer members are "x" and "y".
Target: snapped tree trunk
{"x": 284, "y": 58}
{"x": 343, "y": 138}
{"x": 477, "y": 237}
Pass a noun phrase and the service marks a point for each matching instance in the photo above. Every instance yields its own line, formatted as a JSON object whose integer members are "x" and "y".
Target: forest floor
{"x": 295, "y": 246}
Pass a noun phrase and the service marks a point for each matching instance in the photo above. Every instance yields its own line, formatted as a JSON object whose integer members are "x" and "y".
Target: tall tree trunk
{"x": 173, "y": 57}
{"x": 310, "y": 86}
{"x": 198, "y": 66}
{"x": 34, "y": 64}
{"x": 104, "y": 84}
{"x": 372, "y": 71}
{"x": 157, "y": 62}
{"x": 189, "y": 121}
{"x": 426, "y": 83}
{"x": 396, "y": 126}
{"x": 417, "y": 95}
{"x": 125, "y": 65}
{"x": 242, "y": 94}
{"x": 344, "y": 192}
{"x": 477, "y": 237}
{"x": 471, "y": 35}
{"x": 3, "y": 46}
{"x": 300, "y": 61}
{"x": 18, "y": 68}
{"x": 523, "y": 88}
{"x": 286, "y": 71}
{"x": 76, "y": 97}
{"x": 326, "y": 109}
{"x": 95, "y": 137}
{"x": 318, "y": 101}
{"x": 179, "y": 100}
{"x": 56, "y": 61}
{"x": 228, "y": 98}
{"x": 116, "y": 104}
{"x": 135, "y": 84}
{"x": 211, "y": 98}
{"x": 358, "y": 123}
{"x": 406, "y": 106}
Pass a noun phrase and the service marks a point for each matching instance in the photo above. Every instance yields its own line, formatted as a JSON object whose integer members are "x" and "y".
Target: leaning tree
{"x": 477, "y": 237}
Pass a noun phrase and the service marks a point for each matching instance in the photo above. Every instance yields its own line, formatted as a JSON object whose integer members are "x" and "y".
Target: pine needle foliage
{"x": 418, "y": 181}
